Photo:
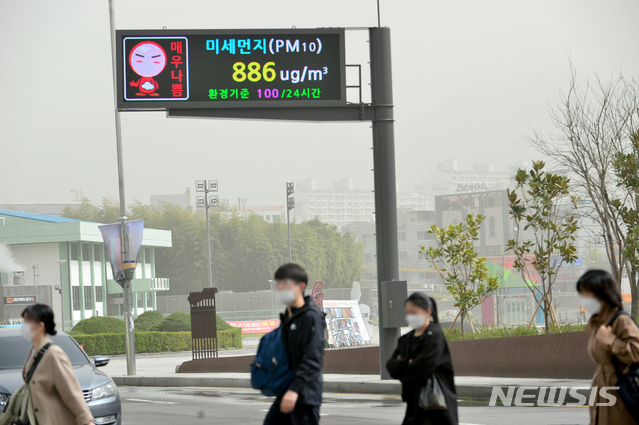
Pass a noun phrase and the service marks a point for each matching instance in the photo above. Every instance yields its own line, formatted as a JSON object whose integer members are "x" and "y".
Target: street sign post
{"x": 285, "y": 74}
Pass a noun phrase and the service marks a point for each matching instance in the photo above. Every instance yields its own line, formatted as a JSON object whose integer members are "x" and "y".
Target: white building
{"x": 61, "y": 262}
{"x": 344, "y": 204}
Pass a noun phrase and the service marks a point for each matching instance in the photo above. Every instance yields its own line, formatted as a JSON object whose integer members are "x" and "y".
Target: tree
{"x": 547, "y": 212}
{"x": 246, "y": 250}
{"x": 627, "y": 171}
{"x": 462, "y": 270}
{"x": 594, "y": 123}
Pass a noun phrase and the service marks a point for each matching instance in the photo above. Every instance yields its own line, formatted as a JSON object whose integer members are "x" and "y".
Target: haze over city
{"x": 471, "y": 80}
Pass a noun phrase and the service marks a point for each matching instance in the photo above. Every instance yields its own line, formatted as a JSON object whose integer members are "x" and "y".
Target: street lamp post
{"x": 61, "y": 263}
{"x": 290, "y": 204}
{"x": 207, "y": 202}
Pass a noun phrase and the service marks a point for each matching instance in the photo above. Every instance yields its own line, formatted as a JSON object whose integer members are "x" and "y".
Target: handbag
{"x": 628, "y": 382}
{"x": 431, "y": 396}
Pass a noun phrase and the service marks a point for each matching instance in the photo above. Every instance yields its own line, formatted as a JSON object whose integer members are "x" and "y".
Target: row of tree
{"x": 245, "y": 249}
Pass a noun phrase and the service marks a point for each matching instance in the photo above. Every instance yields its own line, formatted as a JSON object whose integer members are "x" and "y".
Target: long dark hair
{"x": 602, "y": 285}
{"x": 424, "y": 302}
{"x": 41, "y": 313}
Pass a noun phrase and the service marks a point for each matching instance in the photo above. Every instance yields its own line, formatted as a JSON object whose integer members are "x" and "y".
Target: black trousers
{"x": 301, "y": 415}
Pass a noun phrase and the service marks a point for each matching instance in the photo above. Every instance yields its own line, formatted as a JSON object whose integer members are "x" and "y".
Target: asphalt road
{"x": 175, "y": 406}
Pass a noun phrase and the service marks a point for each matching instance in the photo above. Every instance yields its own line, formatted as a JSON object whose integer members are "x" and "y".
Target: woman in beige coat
{"x": 601, "y": 298}
{"x": 55, "y": 391}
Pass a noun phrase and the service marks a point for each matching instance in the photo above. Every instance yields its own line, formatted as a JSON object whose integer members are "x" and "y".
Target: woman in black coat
{"x": 420, "y": 354}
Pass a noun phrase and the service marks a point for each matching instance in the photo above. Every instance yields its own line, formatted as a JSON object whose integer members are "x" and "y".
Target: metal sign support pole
{"x": 208, "y": 233}
{"x": 384, "y": 177}
{"x": 126, "y": 290}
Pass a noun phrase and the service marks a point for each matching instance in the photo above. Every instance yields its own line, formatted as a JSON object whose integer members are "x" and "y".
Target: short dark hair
{"x": 424, "y": 302}
{"x": 602, "y": 285}
{"x": 41, "y": 313}
{"x": 293, "y": 272}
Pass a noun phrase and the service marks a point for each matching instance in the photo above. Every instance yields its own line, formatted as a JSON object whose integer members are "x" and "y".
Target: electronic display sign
{"x": 159, "y": 69}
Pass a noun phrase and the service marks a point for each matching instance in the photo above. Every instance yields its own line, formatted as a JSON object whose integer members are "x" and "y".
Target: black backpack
{"x": 628, "y": 383}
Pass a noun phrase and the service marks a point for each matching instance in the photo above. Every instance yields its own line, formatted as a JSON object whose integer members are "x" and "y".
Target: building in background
{"x": 412, "y": 233}
{"x": 450, "y": 179}
{"x": 182, "y": 200}
{"x": 45, "y": 258}
{"x": 344, "y": 204}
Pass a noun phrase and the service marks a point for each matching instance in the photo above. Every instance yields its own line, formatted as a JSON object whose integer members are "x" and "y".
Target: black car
{"x": 100, "y": 392}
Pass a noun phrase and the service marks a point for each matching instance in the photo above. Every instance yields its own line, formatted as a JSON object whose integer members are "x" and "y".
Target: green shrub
{"x": 147, "y": 320}
{"x": 152, "y": 342}
{"x": 176, "y": 322}
{"x": 483, "y": 332}
{"x": 221, "y": 325}
{"x": 98, "y": 325}
{"x": 181, "y": 322}
{"x": 231, "y": 337}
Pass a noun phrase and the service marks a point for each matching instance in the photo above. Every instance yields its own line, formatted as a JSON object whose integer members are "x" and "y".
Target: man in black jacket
{"x": 303, "y": 330}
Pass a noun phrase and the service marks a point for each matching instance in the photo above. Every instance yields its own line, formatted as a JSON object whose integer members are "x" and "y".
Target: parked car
{"x": 100, "y": 392}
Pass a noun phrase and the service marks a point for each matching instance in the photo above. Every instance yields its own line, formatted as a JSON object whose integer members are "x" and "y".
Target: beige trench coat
{"x": 623, "y": 342}
{"x": 55, "y": 391}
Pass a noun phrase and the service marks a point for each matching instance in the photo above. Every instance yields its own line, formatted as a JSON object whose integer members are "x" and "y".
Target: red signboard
{"x": 256, "y": 326}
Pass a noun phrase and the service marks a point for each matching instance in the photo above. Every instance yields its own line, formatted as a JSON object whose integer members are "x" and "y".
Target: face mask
{"x": 415, "y": 321}
{"x": 285, "y": 296}
{"x": 592, "y": 305}
{"x": 26, "y": 332}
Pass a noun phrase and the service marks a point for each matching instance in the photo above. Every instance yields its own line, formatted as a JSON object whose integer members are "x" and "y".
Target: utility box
{"x": 394, "y": 294}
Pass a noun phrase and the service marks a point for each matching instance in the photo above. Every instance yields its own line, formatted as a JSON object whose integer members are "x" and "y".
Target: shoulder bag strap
{"x": 36, "y": 361}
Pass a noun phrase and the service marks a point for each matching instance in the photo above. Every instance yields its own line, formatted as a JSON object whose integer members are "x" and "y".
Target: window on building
{"x": 73, "y": 252}
{"x": 147, "y": 255}
{"x": 98, "y": 294}
{"x": 149, "y": 299}
{"x": 424, "y": 236}
{"x": 366, "y": 238}
{"x": 139, "y": 297}
{"x": 75, "y": 293}
{"x": 402, "y": 236}
{"x": 85, "y": 252}
{"x": 96, "y": 252}
{"x": 491, "y": 226}
{"x": 88, "y": 305}
{"x": 402, "y": 256}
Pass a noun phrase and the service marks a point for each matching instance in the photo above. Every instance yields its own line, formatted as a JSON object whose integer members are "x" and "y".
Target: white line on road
{"x": 151, "y": 401}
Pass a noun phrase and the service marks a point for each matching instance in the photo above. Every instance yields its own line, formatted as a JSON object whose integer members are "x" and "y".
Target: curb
{"x": 479, "y": 394}
{"x": 393, "y": 388}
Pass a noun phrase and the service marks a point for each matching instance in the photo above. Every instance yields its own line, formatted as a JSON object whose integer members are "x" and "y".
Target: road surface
{"x": 170, "y": 406}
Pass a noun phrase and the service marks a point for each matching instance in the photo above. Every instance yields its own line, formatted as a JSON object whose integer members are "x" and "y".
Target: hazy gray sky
{"x": 471, "y": 78}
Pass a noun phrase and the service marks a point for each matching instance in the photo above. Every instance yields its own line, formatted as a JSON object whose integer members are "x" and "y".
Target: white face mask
{"x": 592, "y": 305}
{"x": 285, "y": 296}
{"x": 26, "y": 332}
{"x": 415, "y": 321}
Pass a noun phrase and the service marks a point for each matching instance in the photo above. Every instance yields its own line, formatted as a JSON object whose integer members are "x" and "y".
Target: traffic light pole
{"x": 384, "y": 177}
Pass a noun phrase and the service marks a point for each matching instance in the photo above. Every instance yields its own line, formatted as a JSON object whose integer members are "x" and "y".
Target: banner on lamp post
{"x": 112, "y": 237}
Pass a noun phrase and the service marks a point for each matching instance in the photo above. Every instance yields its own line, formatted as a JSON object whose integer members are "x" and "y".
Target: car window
{"x": 15, "y": 349}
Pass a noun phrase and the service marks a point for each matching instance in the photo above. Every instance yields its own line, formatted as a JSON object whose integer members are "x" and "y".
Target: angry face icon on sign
{"x": 147, "y": 59}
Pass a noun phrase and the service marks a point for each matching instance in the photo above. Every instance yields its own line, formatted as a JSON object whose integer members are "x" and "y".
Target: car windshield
{"x": 15, "y": 349}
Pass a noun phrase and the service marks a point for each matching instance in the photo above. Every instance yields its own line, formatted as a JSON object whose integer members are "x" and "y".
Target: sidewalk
{"x": 158, "y": 370}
